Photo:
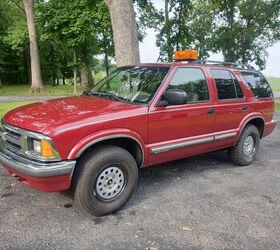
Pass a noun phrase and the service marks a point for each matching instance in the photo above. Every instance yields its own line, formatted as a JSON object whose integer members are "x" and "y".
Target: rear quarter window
{"x": 227, "y": 85}
{"x": 258, "y": 84}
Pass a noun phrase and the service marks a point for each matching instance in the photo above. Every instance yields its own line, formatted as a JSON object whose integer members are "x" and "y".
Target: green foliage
{"x": 245, "y": 29}
{"x": 13, "y": 42}
{"x": 241, "y": 29}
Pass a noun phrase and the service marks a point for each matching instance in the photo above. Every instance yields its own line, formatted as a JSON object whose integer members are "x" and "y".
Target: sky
{"x": 149, "y": 52}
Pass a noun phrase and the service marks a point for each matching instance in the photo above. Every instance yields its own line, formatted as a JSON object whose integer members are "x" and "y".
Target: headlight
{"x": 43, "y": 148}
{"x": 37, "y": 146}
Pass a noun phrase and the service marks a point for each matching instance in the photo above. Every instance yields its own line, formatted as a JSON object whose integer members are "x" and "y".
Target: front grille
{"x": 11, "y": 140}
{"x": 17, "y": 142}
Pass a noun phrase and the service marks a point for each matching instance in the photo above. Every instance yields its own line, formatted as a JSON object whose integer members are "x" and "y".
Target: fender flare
{"x": 247, "y": 119}
{"x": 100, "y": 136}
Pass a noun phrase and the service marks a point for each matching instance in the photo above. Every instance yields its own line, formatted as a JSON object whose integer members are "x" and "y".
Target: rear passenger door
{"x": 231, "y": 106}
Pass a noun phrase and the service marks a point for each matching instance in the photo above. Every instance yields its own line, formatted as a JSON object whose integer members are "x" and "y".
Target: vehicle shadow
{"x": 160, "y": 177}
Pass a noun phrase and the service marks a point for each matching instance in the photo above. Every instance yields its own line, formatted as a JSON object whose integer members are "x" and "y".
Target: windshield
{"x": 131, "y": 84}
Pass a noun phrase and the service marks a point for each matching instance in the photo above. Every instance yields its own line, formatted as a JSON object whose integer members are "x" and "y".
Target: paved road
{"x": 203, "y": 202}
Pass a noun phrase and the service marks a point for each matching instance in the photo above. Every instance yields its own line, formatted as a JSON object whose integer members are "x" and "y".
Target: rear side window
{"x": 193, "y": 81}
{"x": 227, "y": 85}
{"x": 258, "y": 84}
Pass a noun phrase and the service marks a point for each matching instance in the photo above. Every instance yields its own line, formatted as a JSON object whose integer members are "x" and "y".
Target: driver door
{"x": 178, "y": 131}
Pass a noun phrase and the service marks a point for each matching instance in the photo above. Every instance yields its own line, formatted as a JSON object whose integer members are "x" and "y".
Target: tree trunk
{"x": 27, "y": 65}
{"x": 84, "y": 75}
{"x": 75, "y": 71}
{"x": 106, "y": 63}
{"x": 125, "y": 32}
{"x": 36, "y": 77}
{"x": 63, "y": 79}
{"x": 168, "y": 31}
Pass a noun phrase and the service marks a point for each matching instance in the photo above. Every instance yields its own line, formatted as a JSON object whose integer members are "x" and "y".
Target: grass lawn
{"x": 24, "y": 90}
{"x": 275, "y": 83}
{"x": 6, "y": 106}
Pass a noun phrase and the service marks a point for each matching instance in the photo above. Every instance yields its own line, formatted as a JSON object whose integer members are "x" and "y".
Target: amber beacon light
{"x": 186, "y": 55}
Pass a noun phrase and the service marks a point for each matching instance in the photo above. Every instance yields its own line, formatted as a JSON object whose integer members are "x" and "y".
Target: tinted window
{"x": 258, "y": 84}
{"x": 227, "y": 85}
{"x": 193, "y": 81}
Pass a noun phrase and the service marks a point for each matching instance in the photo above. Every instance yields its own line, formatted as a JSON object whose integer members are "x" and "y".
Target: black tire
{"x": 93, "y": 167}
{"x": 238, "y": 153}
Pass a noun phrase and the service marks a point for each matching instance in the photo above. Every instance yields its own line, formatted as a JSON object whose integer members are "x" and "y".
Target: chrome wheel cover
{"x": 249, "y": 146}
{"x": 110, "y": 182}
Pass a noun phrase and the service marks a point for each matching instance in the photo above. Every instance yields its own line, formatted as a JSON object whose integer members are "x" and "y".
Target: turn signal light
{"x": 46, "y": 149}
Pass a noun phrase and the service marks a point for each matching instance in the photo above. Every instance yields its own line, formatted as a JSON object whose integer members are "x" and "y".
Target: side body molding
{"x": 92, "y": 139}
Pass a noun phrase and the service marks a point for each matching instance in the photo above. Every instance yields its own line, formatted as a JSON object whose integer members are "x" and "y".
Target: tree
{"x": 241, "y": 29}
{"x": 245, "y": 29}
{"x": 83, "y": 31}
{"x": 125, "y": 32}
{"x": 36, "y": 77}
{"x": 173, "y": 30}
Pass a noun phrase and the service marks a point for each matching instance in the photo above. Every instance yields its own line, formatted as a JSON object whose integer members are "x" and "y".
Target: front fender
{"x": 94, "y": 138}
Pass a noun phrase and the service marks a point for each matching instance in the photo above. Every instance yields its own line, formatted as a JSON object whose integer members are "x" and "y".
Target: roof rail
{"x": 220, "y": 63}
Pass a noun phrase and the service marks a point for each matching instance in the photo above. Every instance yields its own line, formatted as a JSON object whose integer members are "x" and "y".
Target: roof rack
{"x": 220, "y": 63}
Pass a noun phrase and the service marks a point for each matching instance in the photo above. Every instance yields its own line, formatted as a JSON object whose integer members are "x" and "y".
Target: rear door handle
{"x": 210, "y": 111}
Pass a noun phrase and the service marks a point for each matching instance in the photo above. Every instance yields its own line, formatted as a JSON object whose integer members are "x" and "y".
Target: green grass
{"x": 24, "y": 90}
{"x": 275, "y": 83}
{"x": 7, "y": 106}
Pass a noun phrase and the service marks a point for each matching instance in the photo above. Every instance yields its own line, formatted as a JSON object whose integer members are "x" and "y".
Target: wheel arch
{"x": 128, "y": 142}
{"x": 256, "y": 120}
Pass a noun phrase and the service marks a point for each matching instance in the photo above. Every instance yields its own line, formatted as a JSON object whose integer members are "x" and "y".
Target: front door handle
{"x": 244, "y": 109}
{"x": 210, "y": 111}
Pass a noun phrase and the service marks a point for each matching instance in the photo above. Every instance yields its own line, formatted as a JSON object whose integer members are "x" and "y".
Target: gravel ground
{"x": 203, "y": 202}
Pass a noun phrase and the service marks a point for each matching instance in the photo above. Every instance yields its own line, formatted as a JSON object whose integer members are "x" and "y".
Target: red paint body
{"x": 74, "y": 122}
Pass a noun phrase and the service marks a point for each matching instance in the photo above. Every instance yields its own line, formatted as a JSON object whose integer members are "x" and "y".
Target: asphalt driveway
{"x": 203, "y": 202}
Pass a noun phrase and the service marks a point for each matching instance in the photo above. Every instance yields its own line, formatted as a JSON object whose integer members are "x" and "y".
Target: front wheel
{"x": 105, "y": 180}
{"x": 245, "y": 151}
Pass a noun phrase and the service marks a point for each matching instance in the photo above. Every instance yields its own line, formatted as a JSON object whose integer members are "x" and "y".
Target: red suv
{"x": 136, "y": 117}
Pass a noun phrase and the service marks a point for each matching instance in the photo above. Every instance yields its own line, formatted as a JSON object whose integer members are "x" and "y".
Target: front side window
{"x": 131, "y": 84}
{"x": 227, "y": 85}
{"x": 258, "y": 84}
{"x": 193, "y": 82}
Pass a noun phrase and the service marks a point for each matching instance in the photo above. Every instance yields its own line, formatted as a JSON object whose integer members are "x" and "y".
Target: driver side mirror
{"x": 173, "y": 97}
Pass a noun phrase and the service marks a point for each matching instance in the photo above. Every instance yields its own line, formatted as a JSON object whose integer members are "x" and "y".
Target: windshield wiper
{"x": 106, "y": 94}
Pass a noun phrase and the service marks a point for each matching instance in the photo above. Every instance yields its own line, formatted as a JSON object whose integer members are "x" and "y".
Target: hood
{"x": 42, "y": 115}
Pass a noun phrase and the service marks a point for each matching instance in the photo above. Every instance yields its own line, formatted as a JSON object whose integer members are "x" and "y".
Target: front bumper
{"x": 46, "y": 177}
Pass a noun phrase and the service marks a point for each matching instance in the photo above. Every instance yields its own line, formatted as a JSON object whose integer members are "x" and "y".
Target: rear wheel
{"x": 245, "y": 151}
{"x": 105, "y": 180}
